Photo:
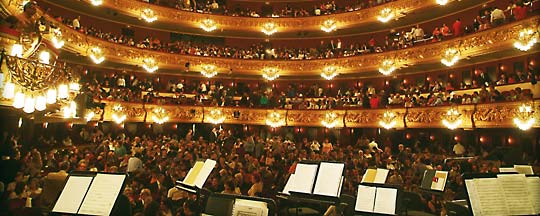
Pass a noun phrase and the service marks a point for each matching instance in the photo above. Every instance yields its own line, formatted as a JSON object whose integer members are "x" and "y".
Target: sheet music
{"x": 243, "y": 207}
{"x": 73, "y": 194}
{"x": 205, "y": 172}
{"x": 369, "y": 176}
{"x": 380, "y": 177}
{"x": 490, "y": 196}
{"x": 524, "y": 169}
{"x": 307, "y": 173}
{"x": 385, "y": 201}
{"x": 439, "y": 180}
{"x": 193, "y": 173}
{"x": 365, "y": 199}
{"x": 328, "y": 181}
{"x": 514, "y": 187}
{"x": 102, "y": 194}
{"x": 507, "y": 170}
{"x": 533, "y": 187}
{"x": 289, "y": 184}
{"x": 471, "y": 191}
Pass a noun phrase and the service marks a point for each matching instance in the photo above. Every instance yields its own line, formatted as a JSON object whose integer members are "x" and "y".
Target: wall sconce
{"x": 274, "y": 119}
{"x": 527, "y": 38}
{"x": 70, "y": 110}
{"x": 387, "y": 67}
{"x": 329, "y": 72}
{"x": 159, "y": 115}
{"x": 269, "y": 28}
{"x": 452, "y": 119}
{"x": 56, "y": 38}
{"x": 96, "y": 2}
{"x": 150, "y": 65}
{"x": 329, "y": 26}
{"x": 96, "y": 54}
{"x": 208, "y": 25}
{"x": 270, "y": 73}
{"x": 330, "y": 120}
{"x": 524, "y": 118}
{"x": 442, "y": 2}
{"x": 450, "y": 57}
{"x": 386, "y": 15}
{"x": 148, "y": 15}
{"x": 118, "y": 115}
{"x": 209, "y": 70}
{"x": 216, "y": 117}
{"x": 388, "y": 120}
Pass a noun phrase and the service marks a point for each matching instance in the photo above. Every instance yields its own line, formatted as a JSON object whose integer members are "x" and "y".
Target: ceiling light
{"x": 96, "y": 2}
{"x": 150, "y": 65}
{"x": 442, "y": 2}
{"x": 269, "y": 28}
{"x": 329, "y": 26}
{"x": 452, "y": 119}
{"x": 148, "y": 15}
{"x": 387, "y": 67}
{"x": 9, "y": 90}
{"x": 527, "y": 38}
{"x": 385, "y": 15}
{"x": 270, "y": 73}
{"x": 208, "y": 25}
{"x": 96, "y": 54}
{"x": 209, "y": 70}
{"x": 524, "y": 118}
{"x": 329, "y": 72}
{"x": 450, "y": 57}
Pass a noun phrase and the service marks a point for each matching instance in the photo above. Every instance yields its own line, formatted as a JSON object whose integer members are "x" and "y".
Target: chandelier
{"x": 388, "y": 120}
{"x": 385, "y": 15}
{"x": 452, "y": 119}
{"x": 270, "y": 73}
{"x": 329, "y": 26}
{"x": 330, "y": 120}
{"x": 216, "y": 116}
{"x": 442, "y": 2}
{"x": 524, "y": 118}
{"x": 329, "y": 72}
{"x": 269, "y": 28}
{"x": 450, "y": 57}
{"x": 118, "y": 115}
{"x": 96, "y": 54}
{"x": 527, "y": 38}
{"x": 209, "y": 70}
{"x": 387, "y": 67}
{"x": 56, "y": 38}
{"x": 159, "y": 115}
{"x": 208, "y": 25}
{"x": 148, "y": 15}
{"x": 96, "y": 2}
{"x": 150, "y": 65}
{"x": 274, "y": 119}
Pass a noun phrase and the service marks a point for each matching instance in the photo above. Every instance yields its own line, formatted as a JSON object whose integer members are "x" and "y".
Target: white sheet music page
{"x": 307, "y": 173}
{"x": 471, "y": 191}
{"x": 289, "y": 184}
{"x": 533, "y": 186}
{"x": 205, "y": 172}
{"x": 514, "y": 187}
{"x": 380, "y": 177}
{"x": 365, "y": 199}
{"x": 102, "y": 194}
{"x": 328, "y": 181}
{"x": 524, "y": 169}
{"x": 73, "y": 194}
{"x": 385, "y": 201}
{"x": 490, "y": 196}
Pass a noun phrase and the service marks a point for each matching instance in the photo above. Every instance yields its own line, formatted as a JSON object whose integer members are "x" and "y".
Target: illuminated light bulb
{"x": 96, "y": 54}
{"x": 209, "y": 71}
{"x": 73, "y": 86}
{"x": 330, "y": 120}
{"x": 270, "y": 73}
{"x": 57, "y": 38}
{"x": 63, "y": 91}
{"x": 150, "y": 65}
{"x": 17, "y": 50}
{"x": 527, "y": 38}
{"x": 388, "y": 120}
{"x": 208, "y": 25}
{"x": 41, "y": 103}
{"x": 148, "y": 15}
{"x": 329, "y": 72}
{"x": 452, "y": 119}
{"x": 18, "y": 101}
{"x": 44, "y": 57}
{"x": 442, "y": 2}
{"x": 89, "y": 115}
{"x": 96, "y": 2}
{"x": 385, "y": 15}
{"x": 269, "y": 28}
{"x": 29, "y": 104}
{"x": 275, "y": 120}
{"x": 329, "y": 26}
{"x": 387, "y": 67}
{"x": 216, "y": 117}
{"x": 451, "y": 57}
{"x": 51, "y": 96}
{"x": 9, "y": 90}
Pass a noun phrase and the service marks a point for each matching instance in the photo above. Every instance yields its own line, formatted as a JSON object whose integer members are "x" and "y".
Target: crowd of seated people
{"x": 220, "y": 7}
{"x": 432, "y": 92}
{"x": 327, "y": 49}
{"x": 246, "y": 164}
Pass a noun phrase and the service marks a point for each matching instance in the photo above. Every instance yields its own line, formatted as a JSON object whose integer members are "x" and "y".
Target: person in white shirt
{"x": 497, "y": 17}
{"x": 76, "y": 23}
{"x": 315, "y": 146}
{"x": 134, "y": 163}
{"x": 418, "y": 33}
{"x": 459, "y": 149}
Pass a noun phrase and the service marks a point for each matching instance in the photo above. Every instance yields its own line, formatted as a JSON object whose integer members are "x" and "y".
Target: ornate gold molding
{"x": 484, "y": 42}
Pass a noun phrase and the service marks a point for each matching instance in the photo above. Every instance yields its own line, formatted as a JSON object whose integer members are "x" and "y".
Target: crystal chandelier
{"x": 270, "y": 73}
{"x": 96, "y": 2}
{"x": 450, "y": 57}
{"x": 118, "y": 115}
{"x": 387, "y": 67}
{"x": 329, "y": 26}
{"x": 527, "y": 38}
{"x": 148, "y": 15}
{"x": 388, "y": 120}
{"x": 56, "y": 38}
{"x": 269, "y": 28}
{"x": 452, "y": 119}
{"x": 215, "y": 116}
{"x": 209, "y": 70}
{"x": 329, "y": 72}
{"x": 150, "y": 65}
{"x": 385, "y": 15}
{"x": 330, "y": 120}
{"x": 159, "y": 115}
{"x": 96, "y": 54}
{"x": 442, "y": 2}
{"x": 208, "y": 25}
{"x": 274, "y": 119}
{"x": 524, "y": 118}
